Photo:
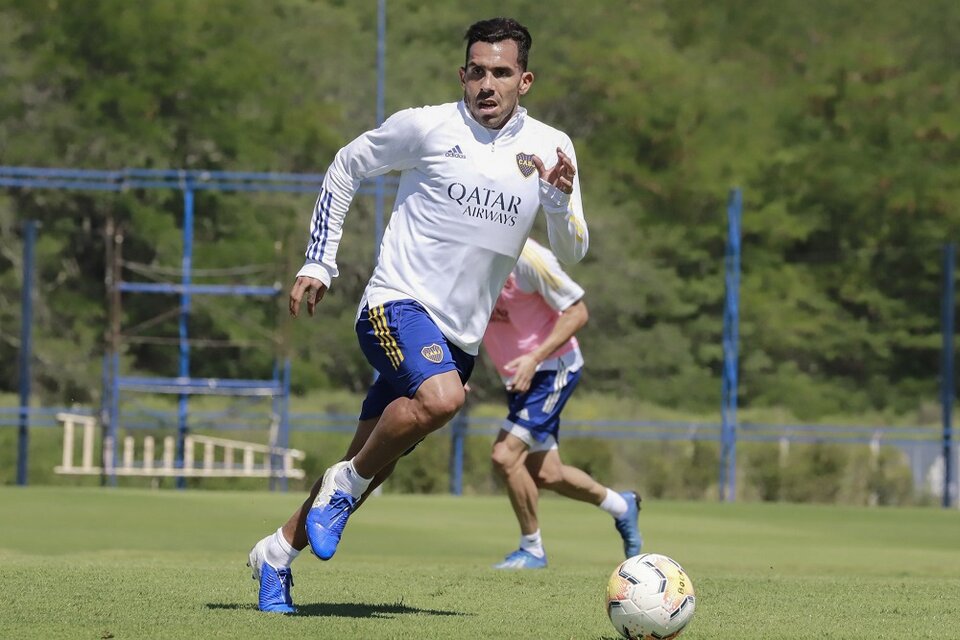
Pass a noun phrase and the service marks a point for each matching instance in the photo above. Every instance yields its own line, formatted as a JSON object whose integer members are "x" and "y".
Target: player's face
{"x": 493, "y": 82}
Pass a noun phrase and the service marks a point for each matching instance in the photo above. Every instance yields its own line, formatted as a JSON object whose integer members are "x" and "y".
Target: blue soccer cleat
{"x": 628, "y": 526}
{"x": 521, "y": 559}
{"x": 274, "y": 583}
{"x": 328, "y": 515}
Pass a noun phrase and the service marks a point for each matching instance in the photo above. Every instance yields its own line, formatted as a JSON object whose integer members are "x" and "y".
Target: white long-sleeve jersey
{"x": 467, "y": 199}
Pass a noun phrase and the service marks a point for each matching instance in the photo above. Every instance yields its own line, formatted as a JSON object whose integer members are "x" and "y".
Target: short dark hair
{"x": 498, "y": 30}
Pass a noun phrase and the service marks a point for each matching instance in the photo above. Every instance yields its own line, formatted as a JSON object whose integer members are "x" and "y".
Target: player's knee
{"x": 502, "y": 458}
{"x": 442, "y": 410}
{"x": 548, "y": 476}
{"x": 438, "y": 408}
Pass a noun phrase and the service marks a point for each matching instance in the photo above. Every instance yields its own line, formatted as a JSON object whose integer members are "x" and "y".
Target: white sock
{"x": 614, "y": 504}
{"x": 532, "y": 544}
{"x": 277, "y": 551}
{"x": 350, "y": 481}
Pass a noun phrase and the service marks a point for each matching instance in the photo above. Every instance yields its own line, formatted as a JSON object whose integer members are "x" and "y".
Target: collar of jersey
{"x": 507, "y": 131}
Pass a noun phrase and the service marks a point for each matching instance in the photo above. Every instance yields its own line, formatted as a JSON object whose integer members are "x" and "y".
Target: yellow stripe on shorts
{"x": 387, "y": 341}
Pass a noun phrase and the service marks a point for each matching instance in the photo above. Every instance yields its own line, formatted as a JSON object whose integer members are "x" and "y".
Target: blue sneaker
{"x": 328, "y": 515}
{"x": 274, "y": 583}
{"x": 628, "y": 526}
{"x": 521, "y": 559}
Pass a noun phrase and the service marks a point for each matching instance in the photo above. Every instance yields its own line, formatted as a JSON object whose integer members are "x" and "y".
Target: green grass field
{"x": 100, "y": 564}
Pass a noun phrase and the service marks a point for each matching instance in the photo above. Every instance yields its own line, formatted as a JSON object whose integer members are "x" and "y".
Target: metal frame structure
{"x": 731, "y": 338}
{"x": 731, "y": 334}
{"x": 26, "y": 348}
{"x": 188, "y": 182}
{"x": 182, "y": 385}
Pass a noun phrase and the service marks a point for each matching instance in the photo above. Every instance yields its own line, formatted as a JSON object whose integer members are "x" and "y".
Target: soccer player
{"x": 531, "y": 340}
{"x": 473, "y": 176}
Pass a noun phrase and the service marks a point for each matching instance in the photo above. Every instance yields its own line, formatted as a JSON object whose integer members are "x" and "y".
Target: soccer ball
{"x": 650, "y": 597}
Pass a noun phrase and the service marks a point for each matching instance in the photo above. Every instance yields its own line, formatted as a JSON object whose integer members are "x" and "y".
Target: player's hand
{"x": 559, "y": 175}
{"x": 312, "y": 288}
{"x": 522, "y": 369}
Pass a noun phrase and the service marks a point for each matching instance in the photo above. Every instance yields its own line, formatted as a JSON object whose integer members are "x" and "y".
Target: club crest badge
{"x": 525, "y": 164}
{"x": 432, "y": 352}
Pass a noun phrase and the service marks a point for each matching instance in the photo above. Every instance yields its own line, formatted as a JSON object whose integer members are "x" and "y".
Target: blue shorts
{"x": 538, "y": 410}
{"x": 405, "y": 346}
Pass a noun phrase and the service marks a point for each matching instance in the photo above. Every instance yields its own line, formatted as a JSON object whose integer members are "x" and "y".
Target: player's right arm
{"x": 393, "y": 146}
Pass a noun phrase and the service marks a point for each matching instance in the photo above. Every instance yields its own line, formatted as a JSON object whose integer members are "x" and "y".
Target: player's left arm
{"x": 561, "y": 201}
{"x": 571, "y": 320}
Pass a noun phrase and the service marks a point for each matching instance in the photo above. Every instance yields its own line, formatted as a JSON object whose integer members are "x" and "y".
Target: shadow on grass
{"x": 346, "y": 609}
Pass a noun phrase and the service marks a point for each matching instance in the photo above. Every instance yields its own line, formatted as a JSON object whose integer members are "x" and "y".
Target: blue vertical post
{"x": 381, "y": 73}
{"x": 947, "y": 372}
{"x": 458, "y": 433}
{"x": 26, "y": 349}
{"x": 285, "y": 413}
{"x": 275, "y": 436}
{"x": 281, "y": 407}
{"x": 186, "y": 265}
{"x": 731, "y": 336}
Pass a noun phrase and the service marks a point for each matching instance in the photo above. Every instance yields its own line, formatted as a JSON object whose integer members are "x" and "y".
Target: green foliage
{"x": 425, "y": 470}
{"x": 828, "y": 473}
{"x": 839, "y": 122}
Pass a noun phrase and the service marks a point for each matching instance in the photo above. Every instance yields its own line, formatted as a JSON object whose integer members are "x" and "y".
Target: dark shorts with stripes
{"x": 538, "y": 409}
{"x": 405, "y": 346}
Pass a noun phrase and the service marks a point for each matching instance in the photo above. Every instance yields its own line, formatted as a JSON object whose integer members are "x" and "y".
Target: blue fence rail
{"x": 188, "y": 182}
{"x": 921, "y": 445}
{"x": 142, "y": 418}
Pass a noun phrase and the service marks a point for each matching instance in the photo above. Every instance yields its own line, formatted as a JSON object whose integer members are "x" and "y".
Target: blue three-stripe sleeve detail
{"x": 319, "y": 226}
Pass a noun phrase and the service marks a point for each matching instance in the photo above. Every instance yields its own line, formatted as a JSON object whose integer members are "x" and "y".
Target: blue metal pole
{"x": 26, "y": 349}
{"x": 275, "y": 437}
{"x": 186, "y": 265}
{"x": 947, "y": 306}
{"x": 281, "y": 409}
{"x": 731, "y": 335}
{"x": 381, "y": 73}
{"x": 284, "y": 435}
{"x": 458, "y": 432}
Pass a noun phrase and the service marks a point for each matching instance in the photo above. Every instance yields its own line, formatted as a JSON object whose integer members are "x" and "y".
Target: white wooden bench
{"x": 222, "y": 458}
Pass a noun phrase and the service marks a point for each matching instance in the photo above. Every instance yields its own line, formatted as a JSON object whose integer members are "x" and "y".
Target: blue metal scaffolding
{"x": 183, "y": 385}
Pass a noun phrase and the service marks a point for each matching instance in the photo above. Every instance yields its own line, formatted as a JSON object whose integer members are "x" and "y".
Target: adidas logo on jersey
{"x": 455, "y": 152}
